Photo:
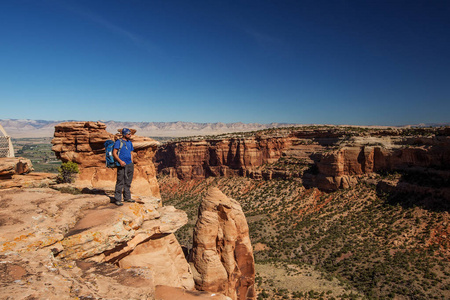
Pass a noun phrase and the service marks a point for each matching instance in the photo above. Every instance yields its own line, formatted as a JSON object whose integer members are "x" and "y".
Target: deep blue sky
{"x": 323, "y": 62}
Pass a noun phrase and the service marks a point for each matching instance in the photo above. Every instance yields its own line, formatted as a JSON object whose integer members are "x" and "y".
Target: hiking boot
{"x": 118, "y": 203}
{"x": 129, "y": 200}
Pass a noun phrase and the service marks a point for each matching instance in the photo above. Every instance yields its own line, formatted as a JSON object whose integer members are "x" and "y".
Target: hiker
{"x": 122, "y": 154}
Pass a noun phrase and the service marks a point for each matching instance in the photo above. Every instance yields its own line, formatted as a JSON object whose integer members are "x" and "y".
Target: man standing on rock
{"x": 122, "y": 154}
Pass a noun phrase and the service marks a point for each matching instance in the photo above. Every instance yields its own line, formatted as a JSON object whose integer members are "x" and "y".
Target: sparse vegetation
{"x": 67, "y": 172}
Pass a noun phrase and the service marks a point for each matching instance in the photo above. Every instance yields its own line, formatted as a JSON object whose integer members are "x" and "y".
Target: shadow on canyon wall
{"x": 416, "y": 187}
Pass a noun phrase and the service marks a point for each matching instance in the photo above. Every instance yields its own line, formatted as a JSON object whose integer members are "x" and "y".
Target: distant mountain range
{"x": 41, "y": 128}
{"x": 24, "y": 128}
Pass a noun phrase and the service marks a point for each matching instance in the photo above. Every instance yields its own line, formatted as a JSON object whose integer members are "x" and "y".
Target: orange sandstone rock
{"x": 222, "y": 254}
{"x": 83, "y": 143}
{"x": 10, "y": 166}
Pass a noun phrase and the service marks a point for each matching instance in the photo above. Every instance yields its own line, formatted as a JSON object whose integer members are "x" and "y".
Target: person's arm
{"x": 133, "y": 154}
{"x": 116, "y": 157}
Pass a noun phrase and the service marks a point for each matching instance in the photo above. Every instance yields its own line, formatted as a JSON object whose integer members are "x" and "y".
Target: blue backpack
{"x": 109, "y": 147}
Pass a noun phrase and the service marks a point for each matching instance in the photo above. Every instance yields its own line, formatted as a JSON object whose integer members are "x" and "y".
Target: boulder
{"x": 10, "y": 166}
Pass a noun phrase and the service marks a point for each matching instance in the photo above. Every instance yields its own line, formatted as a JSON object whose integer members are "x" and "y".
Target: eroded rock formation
{"x": 83, "y": 143}
{"x": 228, "y": 157}
{"x": 222, "y": 255}
{"x": 327, "y": 158}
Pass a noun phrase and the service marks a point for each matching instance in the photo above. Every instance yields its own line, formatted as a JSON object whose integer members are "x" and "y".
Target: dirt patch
{"x": 7, "y": 220}
{"x": 260, "y": 247}
{"x": 11, "y": 272}
{"x": 297, "y": 279}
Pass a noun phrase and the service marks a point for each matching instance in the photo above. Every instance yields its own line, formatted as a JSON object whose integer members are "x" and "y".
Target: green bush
{"x": 67, "y": 172}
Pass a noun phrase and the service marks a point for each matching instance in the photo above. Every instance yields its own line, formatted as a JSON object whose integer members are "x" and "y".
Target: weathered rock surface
{"x": 38, "y": 275}
{"x": 69, "y": 239}
{"x": 171, "y": 293}
{"x": 10, "y": 166}
{"x": 83, "y": 143}
{"x": 222, "y": 255}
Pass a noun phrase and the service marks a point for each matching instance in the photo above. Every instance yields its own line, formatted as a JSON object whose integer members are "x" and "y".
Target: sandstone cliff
{"x": 339, "y": 168}
{"x": 227, "y": 157}
{"x": 83, "y": 143}
{"x": 324, "y": 157}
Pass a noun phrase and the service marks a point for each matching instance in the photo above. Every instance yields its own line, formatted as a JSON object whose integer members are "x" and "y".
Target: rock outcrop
{"x": 83, "y": 143}
{"x": 222, "y": 255}
{"x": 72, "y": 236}
{"x": 10, "y": 166}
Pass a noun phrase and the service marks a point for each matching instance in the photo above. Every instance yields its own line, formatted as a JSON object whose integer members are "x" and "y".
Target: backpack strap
{"x": 121, "y": 145}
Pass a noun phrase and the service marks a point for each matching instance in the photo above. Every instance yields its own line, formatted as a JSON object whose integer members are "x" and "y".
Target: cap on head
{"x": 126, "y": 131}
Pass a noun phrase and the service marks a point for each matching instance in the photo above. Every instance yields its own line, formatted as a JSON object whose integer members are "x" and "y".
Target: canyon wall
{"x": 325, "y": 158}
{"x": 227, "y": 157}
{"x": 340, "y": 168}
{"x": 83, "y": 143}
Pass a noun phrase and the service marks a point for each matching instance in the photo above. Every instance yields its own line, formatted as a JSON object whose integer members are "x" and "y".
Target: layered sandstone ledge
{"x": 64, "y": 236}
{"x": 83, "y": 143}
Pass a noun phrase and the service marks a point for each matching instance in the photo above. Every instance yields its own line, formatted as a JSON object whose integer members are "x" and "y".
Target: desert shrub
{"x": 67, "y": 172}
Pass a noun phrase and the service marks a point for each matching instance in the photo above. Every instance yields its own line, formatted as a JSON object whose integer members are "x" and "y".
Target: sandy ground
{"x": 299, "y": 279}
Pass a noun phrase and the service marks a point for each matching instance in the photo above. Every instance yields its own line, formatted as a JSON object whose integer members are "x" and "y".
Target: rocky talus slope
{"x": 311, "y": 244}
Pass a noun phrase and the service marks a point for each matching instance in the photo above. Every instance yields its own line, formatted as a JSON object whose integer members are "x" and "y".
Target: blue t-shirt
{"x": 125, "y": 151}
